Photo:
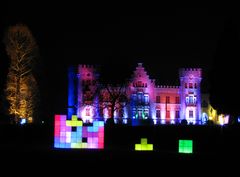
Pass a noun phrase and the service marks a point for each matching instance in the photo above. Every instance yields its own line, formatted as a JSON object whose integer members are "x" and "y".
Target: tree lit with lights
{"x": 21, "y": 87}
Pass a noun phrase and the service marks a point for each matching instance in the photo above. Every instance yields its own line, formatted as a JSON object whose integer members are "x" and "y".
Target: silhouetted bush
{"x": 110, "y": 122}
{"x": 209, "y": 122}
{"x": 184, "y": 122}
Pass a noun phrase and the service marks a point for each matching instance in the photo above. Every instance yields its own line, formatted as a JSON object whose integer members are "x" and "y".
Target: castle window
{"x": 177, "y": 115}
{"x": 134, "y": 113}
{"x": 88, "y": 74}
{"x": 146, "y": 99}
{"x": 145, "y": 84}
{"x": 194, "y": 100}
{"x": 139, "y": 84}
{"x": 185, "y": 85}
{"x": 195, "y": 85}
{"x": 158, "y": 113}
{"x": 157, "y": 99}
{"x": 87, "y": 111}
{"x": 191, "y": 101}
{"x": 190, "y": 114}
{"x": 177, "y": 100}
{"x": 140, "y": 113}
{"x": 139, "y": 97}
{"x": 101, "y": 112}
{"x": 190, "y": 85}
{"x": 167, "y": 99}
{"x": 168, "y": 114}
{"x": 146, "y": 113}
{"x": 134, "y": 97}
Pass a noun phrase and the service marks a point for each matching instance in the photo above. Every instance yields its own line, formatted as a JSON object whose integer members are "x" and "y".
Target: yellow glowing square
{"x": 144, "y": 146}
{"x": 74, "y": 118}
{"x": 149, "y": 147}
{"x": 143, "y": 140}
{"x": 84, "y": 145}
{"x": 138, "y": 147}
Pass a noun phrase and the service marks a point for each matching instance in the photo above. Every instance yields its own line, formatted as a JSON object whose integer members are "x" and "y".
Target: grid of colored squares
{"x": 74, "y": 134}
{"x": 185, "y": 146}
{"x": 144, "y": 146}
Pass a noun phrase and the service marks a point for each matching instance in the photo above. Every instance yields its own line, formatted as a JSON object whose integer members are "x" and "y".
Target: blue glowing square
{"x": 79, "y": 129}
{"x": 95, "y": 124}
{"x": 62, "y": 145}
{"x": 101, "y": 123}
{"x": 90, "y": 129}
{"x": 68, "y": 145}
{"x": 56, "y": 144}
{"x": 95, "y": 129}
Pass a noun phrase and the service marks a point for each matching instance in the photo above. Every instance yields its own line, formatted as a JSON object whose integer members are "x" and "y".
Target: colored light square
{"x": 101, "y": 124}
{"x": 63, "y": 118}
{"x": 57, "y": 118}
{"x": 72, "y": 133}
{"x": 138, "y": 147}
{"x": 185, "y": 146}
{"x": 149, "y": 147}
{"x": 143, "y": 146}
{"x": 144, "y": 141}
{"x": 90, "y": 129}
{"x": 74, "y": 118}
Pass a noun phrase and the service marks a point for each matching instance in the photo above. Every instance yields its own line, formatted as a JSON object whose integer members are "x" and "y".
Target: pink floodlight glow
{"x": 87, "y": 114}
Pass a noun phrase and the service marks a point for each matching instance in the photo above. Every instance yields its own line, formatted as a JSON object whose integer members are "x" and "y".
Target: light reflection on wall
{"x": 87, "y": 114}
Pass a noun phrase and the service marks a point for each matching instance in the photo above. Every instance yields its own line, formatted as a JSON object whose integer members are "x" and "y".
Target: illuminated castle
{"x": 147, "y": 101}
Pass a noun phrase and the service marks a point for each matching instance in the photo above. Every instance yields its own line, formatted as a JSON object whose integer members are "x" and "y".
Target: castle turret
{"x": 86, "y": 89}
{"x": 72, "y": 91}
{"x": 190, "y": 94}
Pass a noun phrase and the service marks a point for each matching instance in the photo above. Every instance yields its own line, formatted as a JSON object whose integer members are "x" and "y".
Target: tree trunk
{"x": 17, "y": 101}
{"x": 112, "y": 110}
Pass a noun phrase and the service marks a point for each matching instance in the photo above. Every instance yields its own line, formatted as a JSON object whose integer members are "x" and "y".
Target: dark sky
{"x": 70, "y": 34}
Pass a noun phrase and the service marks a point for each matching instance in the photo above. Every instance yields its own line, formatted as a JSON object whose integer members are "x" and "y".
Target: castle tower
{"x": 72, "y": 91}
{"x": 190, "y": 94}
{"x": 86, "y": 92}
{"x": 142, "y": 95}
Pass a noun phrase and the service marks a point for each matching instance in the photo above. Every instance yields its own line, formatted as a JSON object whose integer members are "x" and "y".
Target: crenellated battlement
{"x": 85, "y": 66}
{"x": 167, "y": 86}
{"x": 193, "y": 72}
{"x": 87, "y": 71}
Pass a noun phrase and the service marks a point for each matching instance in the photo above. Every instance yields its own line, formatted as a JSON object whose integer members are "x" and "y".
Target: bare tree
{"x": 114, "y": 98}
{"x": 21, "y": 87}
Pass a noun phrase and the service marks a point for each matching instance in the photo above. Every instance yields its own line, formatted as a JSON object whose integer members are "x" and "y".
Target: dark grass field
{"x": 215, "y": 149}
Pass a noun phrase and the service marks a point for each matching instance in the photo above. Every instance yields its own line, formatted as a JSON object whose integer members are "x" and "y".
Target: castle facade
{"x": 143, "y": 98}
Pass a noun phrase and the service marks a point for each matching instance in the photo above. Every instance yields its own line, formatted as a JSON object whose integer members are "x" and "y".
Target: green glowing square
{"x": 143, "y": 140}
{"x": 185, "y": 146}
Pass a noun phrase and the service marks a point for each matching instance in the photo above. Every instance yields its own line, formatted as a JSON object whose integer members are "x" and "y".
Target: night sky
{"x": 182, "y": 37}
